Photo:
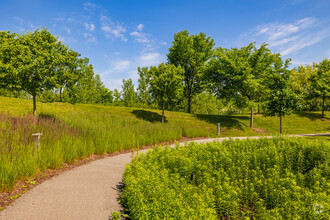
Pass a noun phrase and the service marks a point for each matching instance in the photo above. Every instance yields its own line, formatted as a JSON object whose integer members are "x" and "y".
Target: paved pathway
{"x": 86, "y": 192}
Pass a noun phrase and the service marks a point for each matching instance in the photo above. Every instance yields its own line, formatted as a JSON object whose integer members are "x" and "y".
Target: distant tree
{"x": 128, "y": 93}
{"x": 143, "y": 93}
{"x": 281, "y": 100}
{"x": 67, "y": 68}
{"x": 241, "y": 73}
{"x": 191, "y": 52}
{"x": 206, "y": 103}
{"x": 320, "y": 81}
{"x": 117, "y": 97}
{"x": 301, "y": 85}
{"x": 165, "y": 83}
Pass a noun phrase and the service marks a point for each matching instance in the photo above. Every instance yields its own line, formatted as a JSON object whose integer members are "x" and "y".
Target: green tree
{"x": 165, "y": 83}
{"x": 67, "y": 68}
{"x": 241, "y": 73}
{"x": 10, "y": 60}
{"x": 143, "y": 93}
{"x": 35, "y": 64}
{"x": 128, "y": 93}
{"x": 191, "y": 53}
{"x": 301, "y": 85}
{"x": 117, "y": 97}
{"x": 320, "y": 81}
{"x": 281, "y": 99}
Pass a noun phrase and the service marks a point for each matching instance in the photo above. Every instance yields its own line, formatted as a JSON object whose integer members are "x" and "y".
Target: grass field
{"x": 278, "y": 178}
{"x": 73, "y": 132}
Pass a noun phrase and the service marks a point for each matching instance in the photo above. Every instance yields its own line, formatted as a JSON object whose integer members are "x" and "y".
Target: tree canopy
{"x": 191, "y": 52}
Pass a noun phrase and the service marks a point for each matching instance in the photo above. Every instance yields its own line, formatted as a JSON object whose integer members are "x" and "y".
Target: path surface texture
{"x": 86, "y": 192}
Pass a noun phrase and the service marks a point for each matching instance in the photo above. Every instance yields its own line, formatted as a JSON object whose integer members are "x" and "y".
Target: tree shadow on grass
{"x": 148, "y": 116}
{"x": 230, "y": 122}
{"x": 311, "y": 115}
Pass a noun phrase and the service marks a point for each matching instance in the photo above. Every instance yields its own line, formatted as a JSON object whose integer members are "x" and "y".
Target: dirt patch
{"x": 23, "y": 186}
{"x": 260, "y": 131}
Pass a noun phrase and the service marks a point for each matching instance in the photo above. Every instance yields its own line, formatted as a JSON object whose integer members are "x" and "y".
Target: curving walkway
{"x": 86, "y": 192}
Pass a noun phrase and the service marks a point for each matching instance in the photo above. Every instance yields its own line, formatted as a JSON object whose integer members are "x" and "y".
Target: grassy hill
{"x": 73, "y": 132}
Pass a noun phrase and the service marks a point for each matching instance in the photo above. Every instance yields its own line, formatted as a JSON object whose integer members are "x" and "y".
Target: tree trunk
{"x": 258, "y": 109}
{"x": 323, "y": 106}
{"x": 163, "y": 118}
{"x": 34, "y": 106}
{"x": 280, "y": 124}
{"x": 251, "y": 120}
{"x": 60, "y": 94}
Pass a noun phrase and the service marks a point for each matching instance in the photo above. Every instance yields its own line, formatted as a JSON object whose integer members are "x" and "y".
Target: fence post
{"x": 37, "y": 141}
{"x": 218, "y": 129}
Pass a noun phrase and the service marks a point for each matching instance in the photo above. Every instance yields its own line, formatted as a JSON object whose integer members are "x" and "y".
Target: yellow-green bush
{"x": 276, "y": 178}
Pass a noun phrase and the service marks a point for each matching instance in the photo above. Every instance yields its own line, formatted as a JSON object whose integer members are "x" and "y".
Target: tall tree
{"x": 165, "y": 83}
{"x": 191, "y": 52}
{"x": 143, "y": 93}
{"x": 281, "y": 100}
{"x": 128, "y": 93}
{"x": 241, "y": 73}
{"x": 320, "y": 81}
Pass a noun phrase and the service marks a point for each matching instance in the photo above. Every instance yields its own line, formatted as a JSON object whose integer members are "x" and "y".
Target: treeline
{"x": 197, "y": 77}
{"x": 37, "y": 65}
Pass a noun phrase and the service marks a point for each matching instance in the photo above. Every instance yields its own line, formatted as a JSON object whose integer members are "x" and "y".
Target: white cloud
{"x": 287, "y": 38}
{"x": 140, "y": 27}
{"x": 68, "y": 30}
{"x": 90, "y": 38}
{"x": 112, "y": 30}
{"x": 89, "y": 27}
{"x": 149, "y": 59}
{"x": 140, "y": 37}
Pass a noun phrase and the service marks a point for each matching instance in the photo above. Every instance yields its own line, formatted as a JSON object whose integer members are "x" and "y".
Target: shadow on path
{"x": 148, "y": 116}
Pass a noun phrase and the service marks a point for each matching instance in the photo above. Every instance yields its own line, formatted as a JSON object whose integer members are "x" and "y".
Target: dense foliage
{"x": 276, "y": 178}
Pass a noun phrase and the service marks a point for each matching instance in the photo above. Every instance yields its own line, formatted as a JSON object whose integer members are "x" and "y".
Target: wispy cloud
{"x": 287, "y": 38}
{"x": 89, "y": 27}
{"x": 112, "y": 30}
{"x": 68, "y": 30}
{"x": 89, "y": 6}
{"x": 90, "y": 38}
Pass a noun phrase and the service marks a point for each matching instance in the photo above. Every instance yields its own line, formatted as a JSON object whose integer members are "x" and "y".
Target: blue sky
{"x": 118, "y": 35}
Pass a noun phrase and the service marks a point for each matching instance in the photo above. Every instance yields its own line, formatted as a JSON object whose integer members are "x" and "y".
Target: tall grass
{"x": 71, "y": 136}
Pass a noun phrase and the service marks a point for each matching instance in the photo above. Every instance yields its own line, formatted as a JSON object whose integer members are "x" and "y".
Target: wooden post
{"x": 218, "y": 130}
{"x": 37, "y": 141}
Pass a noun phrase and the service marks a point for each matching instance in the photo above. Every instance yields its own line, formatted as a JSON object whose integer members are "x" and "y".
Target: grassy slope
{"x": 204, "y": 125}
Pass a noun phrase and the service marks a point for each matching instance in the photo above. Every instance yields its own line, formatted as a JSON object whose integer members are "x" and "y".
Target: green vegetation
{"x": 277, "y": 178}
{"x": 76, "y": 131}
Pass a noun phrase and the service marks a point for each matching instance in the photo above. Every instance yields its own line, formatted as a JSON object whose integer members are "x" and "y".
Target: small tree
{"x": 281, "y": 100}
{"x": 241, "y": 73}
{"x": 320, "y": 81}
{"x": 129, "y": 95}
{"x": 143, "y": 94}
{"x": 38, "y": 60}
{"x": 67, "y": 68}
{"x": 165, "y": 83}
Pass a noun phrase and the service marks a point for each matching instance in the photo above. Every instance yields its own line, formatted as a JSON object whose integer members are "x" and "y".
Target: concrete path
{"x": 86, "y": 192}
